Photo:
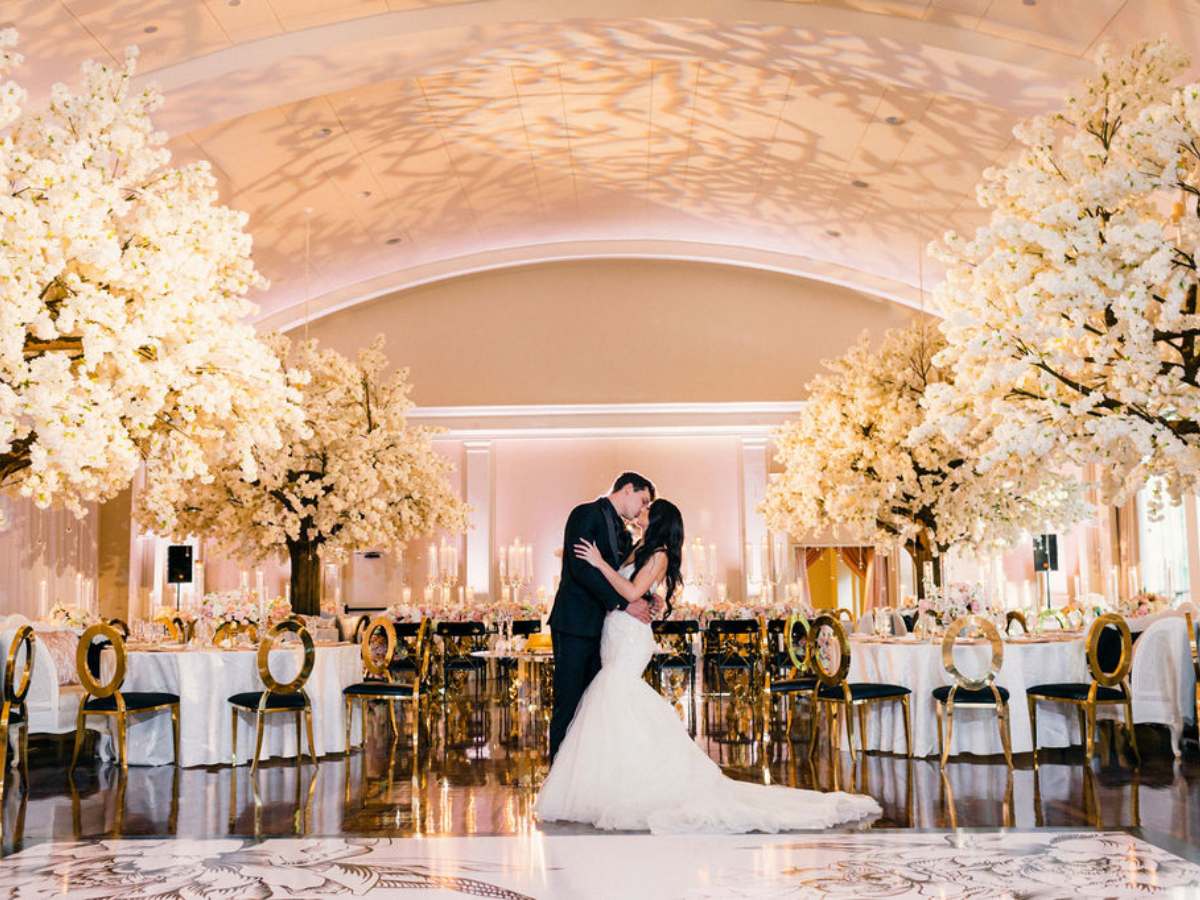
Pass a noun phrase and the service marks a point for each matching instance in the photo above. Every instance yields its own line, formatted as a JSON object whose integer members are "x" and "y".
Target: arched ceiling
{"x": 418, "y": 140}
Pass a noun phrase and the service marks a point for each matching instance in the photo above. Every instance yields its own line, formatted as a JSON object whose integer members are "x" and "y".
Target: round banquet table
{"x": 204, "y": 678}
{"x": 917, "y": 665}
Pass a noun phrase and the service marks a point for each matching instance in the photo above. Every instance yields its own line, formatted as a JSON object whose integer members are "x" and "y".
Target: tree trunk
{"x": 921, "y": 553}
{"x": 306, "y": 577}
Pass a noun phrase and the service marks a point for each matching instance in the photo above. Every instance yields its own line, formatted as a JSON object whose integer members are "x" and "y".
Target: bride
{"x": 627, "y": 761}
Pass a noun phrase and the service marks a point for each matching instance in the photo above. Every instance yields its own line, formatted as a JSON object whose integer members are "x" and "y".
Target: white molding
{"x": 753, "y": 421}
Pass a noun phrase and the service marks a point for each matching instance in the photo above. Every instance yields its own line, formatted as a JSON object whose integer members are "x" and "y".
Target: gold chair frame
{"x": 227, "y": 631}
{"x": 1194, "y": 641}
{"x": 381, "y": 671}
{"x": 112, "y": 688}
{"x": 14, "y": 698}
{"x": 181, "y": 631}
{"x": 121, "y": 625}
{"x": 1018, "y": 617}
{"x": 800, "y": 665}
{"x": 838, "y": 680}
{"x": 1050, "y": 615}
{"x": 1087, "y": 707}
{"x": 962, "y": 682}
{"x": 295, "y": 686}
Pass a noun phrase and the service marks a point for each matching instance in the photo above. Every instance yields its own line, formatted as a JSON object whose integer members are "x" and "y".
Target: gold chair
{"x": 181, "y": 632}
{"x": 227, "y": 633}
{"x": 13, "y": 713}
{"x": 1048, "y": 616}
{"x": 121, "y": 626}
{"x": 972, "y": 693}
{"x": 1194, "y": 640}
{"x": 799, "y": 680}
{"x": 381, "y": 686}
{"x": 1019, "y": 618}
{"x": 107, "y": 700}
{"x": 833, "y": 692}
{"x": 842, "y": 613}
{"x": 279, "y": 697}
{"x": 1107, "y": 687}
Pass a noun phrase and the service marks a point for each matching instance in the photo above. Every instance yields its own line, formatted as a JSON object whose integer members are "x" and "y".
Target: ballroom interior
{"x": 599, "y": 237}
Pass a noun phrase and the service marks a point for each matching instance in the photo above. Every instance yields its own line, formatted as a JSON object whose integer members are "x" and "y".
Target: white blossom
{"x": 355, "y": 476}
{"x": 865, "y": 461}
{"x": 123, "y": 288}
{"x": 1072, "y": 317}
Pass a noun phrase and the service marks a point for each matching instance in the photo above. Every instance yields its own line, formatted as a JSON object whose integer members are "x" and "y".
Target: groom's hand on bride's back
{"x": 640, "y": 610}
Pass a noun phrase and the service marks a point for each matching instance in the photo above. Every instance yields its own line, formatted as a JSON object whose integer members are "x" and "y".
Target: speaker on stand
{"x": 1045, "y": 558}
{"x": 179, "y": 568}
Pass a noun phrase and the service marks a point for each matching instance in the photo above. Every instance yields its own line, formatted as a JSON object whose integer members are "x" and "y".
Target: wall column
{"x": 479, "y": 480}
{"x": 753, "y": 489}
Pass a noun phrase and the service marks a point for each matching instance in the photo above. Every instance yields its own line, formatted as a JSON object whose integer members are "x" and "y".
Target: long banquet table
{"x": 917, "y": 665}
{"x": 204, "y": 678}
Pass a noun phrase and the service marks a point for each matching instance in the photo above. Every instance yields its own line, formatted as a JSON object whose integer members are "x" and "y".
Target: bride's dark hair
{"x": 664, "y": 531}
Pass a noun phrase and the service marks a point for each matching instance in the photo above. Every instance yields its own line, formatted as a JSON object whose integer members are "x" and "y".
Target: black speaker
{"x": 179, "y": 564}
{"x": 1045, "y": 552}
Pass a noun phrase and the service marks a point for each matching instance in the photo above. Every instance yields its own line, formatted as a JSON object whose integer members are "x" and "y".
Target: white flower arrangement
{"x": 123, "y": 288}
{"x": 234, "y": 606}
{"x": 951, "y": 601}
{"x": 352, "y": 475}
{"x": 1072, "y": 317}
{"x": 63, "y": 615}
{"x": 864, "y": 461}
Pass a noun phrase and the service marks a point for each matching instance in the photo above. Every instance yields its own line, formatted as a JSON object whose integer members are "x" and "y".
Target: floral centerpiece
{"x": 229, "y": 606}
{"x": 946, "y": 603}
{"x": 1143, "y": 604}
{"x": 62, "y": 615}
{"x": 166, "y": 614}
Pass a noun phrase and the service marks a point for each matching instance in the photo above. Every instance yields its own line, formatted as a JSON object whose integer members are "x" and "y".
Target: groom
{"x": 584, "y": 595}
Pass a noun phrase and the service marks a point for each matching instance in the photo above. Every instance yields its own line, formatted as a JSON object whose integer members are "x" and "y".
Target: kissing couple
{"x": 620, "y": 755}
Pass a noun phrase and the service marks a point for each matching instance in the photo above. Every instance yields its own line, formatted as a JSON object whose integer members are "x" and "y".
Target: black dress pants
{"x": 576, "y": 662}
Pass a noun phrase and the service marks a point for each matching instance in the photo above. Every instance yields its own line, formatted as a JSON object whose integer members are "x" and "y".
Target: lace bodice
{"x": 626, "y": 643}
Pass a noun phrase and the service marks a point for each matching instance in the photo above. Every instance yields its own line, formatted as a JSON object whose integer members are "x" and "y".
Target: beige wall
{"x": 612, "y": 331}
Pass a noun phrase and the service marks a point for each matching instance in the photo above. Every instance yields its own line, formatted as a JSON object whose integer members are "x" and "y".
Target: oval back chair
{"x": 105, "y": 698}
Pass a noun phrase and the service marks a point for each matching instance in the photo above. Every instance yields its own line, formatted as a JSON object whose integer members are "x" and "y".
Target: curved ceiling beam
{"x": 313, "y": 62}
{"x": 719, "y": 254}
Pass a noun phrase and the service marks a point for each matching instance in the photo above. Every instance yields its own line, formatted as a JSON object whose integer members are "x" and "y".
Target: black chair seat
{"x": 1074, "y": 691}
{"x": 379, "y": 689}
{"x": 792, "y": 685}
{"x": 250, "y": 700}
{"x": 962, "y": 695}
{"x": 15, "y": 717}
{"x": 864, "y": 690}
{"x": 134, "y": 700}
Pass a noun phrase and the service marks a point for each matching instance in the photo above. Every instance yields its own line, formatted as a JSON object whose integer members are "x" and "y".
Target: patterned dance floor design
{"x": 873, "y": 864}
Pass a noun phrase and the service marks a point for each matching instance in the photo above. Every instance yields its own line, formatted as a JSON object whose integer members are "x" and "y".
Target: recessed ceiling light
{"x": 363, "y": 195}
{"x": 858, "y": 184}
{"x": 323, "y": 132}
{"x": 1029, "y": 2}
{"x": 833, "y": 232}
{"x": 150, "y": 29}
{"x": 894, "y": 120}
{"x": 233, "y": 2}
{"x": 391, "y": 242}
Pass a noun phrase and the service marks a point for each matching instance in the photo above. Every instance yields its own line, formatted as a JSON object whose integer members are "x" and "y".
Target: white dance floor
{"x": 947, "y": 865}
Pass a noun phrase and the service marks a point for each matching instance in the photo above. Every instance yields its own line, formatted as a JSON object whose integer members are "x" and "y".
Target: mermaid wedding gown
{"x": 628, "y": 762}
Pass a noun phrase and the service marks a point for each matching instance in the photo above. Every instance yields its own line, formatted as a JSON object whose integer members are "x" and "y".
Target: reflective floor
{"x": 476, "y": 772}
{"x": 466, "y": 792}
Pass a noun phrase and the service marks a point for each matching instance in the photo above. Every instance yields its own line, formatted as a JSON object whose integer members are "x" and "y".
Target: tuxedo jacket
{"x": 584, "y": 595}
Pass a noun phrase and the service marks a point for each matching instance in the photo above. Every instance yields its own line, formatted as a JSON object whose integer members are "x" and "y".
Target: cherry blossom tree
{"x": 862, "y": 462}
{"x": 1072, "y": 317}
{"x": 355, "y": 476}
{"x": 123, "y": 288}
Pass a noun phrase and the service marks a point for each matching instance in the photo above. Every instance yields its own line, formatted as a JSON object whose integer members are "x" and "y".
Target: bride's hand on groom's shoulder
{"x": 586, "y": 550}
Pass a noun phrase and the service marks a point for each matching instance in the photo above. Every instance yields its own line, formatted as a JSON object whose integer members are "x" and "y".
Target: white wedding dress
{"x": 628, "y": 762}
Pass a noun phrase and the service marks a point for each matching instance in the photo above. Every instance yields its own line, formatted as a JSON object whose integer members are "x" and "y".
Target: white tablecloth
{"x": 204, "y": 679}
{"x": 918, "y": 666}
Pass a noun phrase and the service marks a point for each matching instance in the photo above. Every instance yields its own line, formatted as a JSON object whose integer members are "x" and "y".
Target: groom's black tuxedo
{"x": 584, "y": 598}
{"x": 584, "y": 594}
